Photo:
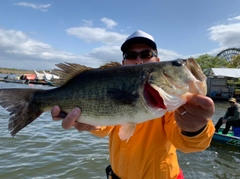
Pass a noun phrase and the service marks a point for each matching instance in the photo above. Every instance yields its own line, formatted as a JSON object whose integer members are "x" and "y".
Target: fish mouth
{"x": 164, "y": 101}
{"x": 152, "y": 97}
{"x": 155, "y": 97}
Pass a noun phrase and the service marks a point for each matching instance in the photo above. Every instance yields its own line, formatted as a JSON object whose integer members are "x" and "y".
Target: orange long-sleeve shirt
{"x": 151, "y": 151}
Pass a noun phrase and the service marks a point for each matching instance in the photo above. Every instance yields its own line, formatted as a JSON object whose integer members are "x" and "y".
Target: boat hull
{"x": 226, "y": 140}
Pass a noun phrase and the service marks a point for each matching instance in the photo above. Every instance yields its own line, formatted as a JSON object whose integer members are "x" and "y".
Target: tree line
{"x": 207, "y": 62}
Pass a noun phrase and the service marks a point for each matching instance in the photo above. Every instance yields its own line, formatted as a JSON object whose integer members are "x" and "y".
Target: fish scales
{"x": 109, "y": 95}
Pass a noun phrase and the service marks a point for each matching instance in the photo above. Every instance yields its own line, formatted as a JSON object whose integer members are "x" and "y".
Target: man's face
{"x": 232, "y": 104}
{"x": 138, "y": 60}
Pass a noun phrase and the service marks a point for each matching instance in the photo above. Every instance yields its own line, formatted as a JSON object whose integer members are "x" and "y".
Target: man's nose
{"x": 138, "y": 61}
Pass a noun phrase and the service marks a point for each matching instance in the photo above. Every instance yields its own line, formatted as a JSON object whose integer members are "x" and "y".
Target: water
{"x": 45, "y": 150}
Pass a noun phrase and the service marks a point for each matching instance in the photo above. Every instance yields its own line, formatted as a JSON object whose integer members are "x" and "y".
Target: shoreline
{"x": 15, "y": 71}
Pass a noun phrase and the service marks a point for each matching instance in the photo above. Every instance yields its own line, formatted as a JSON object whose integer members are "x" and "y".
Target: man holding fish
{"x": 148, "y": 149}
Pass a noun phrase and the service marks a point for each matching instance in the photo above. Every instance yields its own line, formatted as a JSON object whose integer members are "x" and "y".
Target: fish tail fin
{"x": 22, "y": 107}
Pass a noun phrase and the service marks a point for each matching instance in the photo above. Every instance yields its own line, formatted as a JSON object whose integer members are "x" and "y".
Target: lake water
{"x": 44, "y": 150}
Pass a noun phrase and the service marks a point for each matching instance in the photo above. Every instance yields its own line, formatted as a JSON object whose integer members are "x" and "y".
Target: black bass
{"x": 109, "y": 95}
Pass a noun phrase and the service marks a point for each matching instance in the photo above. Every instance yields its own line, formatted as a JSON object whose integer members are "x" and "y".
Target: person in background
{"x": 231, "y": 117}
{"x": 151, "y": 151}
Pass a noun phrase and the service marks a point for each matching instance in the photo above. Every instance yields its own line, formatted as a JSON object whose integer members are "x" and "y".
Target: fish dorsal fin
{"x": 67, "y": 71}
{"x": 110, "y": 65}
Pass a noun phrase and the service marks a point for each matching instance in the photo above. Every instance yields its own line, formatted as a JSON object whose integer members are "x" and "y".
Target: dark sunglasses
{"x": 132, "y": 55}
{"x": 231, "y": 102}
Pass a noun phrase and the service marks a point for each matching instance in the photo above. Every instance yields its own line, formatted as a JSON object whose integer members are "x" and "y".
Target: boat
{"x": 49, "y": 76}
{"x": 15, "y": 81}
{"x": 41, "y": 82}
{"x": 26, "y": 79}
{"x": 13, "y": 78}
{"x": 45, "y": 76}
{"x": 228, "y": 140}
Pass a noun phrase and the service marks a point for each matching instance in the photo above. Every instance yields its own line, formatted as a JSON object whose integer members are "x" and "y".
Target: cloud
{"x": 42, "y": 7}
{"x": 237, "y": 18}
{"x": 17, "y": 46}
{"x": 97, "y": 35}
{"x": 18, "y": 43}
{"x": 108, "y": 22}
{"x": 106, "y": 54}
{"x": 227, "y": 35}
{"x": 88, "y": 22}
{"x": 166, "y": 55}
{"x": 18, "y": 50}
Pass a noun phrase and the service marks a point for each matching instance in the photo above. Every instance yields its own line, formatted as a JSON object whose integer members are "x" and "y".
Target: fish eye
{"x": 178, "y": 62}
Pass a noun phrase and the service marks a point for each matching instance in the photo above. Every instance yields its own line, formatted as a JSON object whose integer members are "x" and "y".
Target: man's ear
{"x": 123, "y": 62}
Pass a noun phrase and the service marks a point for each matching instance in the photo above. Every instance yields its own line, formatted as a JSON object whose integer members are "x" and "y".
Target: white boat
{"x": 45, "y": 76}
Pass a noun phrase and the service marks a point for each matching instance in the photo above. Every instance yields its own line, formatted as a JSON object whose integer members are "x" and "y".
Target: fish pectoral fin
{"x": 126, "y": 131}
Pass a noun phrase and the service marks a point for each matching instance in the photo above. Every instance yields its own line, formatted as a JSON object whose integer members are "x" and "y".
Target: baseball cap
{"x": 138, "y": 36}
{"x": 232, "y": 100}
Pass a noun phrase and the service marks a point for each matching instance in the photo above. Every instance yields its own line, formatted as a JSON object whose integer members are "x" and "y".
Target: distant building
{"x": 223, "y": 83}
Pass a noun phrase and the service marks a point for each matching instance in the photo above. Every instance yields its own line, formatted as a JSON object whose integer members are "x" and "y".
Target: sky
{"x": 37, "y": 34}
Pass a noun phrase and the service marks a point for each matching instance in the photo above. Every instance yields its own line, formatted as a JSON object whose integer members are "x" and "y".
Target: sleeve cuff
{"x": 192, "y": 134}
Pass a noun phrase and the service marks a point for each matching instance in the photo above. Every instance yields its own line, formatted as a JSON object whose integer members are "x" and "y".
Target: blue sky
{"x": 37, "y": 34}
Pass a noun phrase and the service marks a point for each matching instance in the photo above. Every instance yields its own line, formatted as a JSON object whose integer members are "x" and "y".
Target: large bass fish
{"x": 109, "y": 95}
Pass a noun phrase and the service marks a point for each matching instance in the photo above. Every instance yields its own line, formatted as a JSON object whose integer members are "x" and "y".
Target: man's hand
{"x": 195, "y": 114}
{"x": 71, "y": 119}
